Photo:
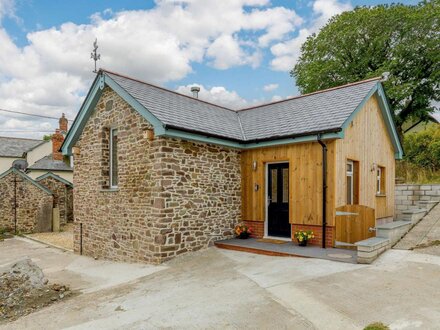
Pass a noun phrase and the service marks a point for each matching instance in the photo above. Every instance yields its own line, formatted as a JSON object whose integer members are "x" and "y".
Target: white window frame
{"x": 350, "y": 174}
{"x": 111, "y": 156}
{"x": 379, "y": 180}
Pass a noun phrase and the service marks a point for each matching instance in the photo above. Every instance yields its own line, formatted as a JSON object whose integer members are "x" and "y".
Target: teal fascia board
{"x": 171, "y": 133}
{"x": 84, "y": 113}
{"x": 56, "y": 177}
{"x": 26, "y": 177}
{"x": 90, "y": 103}
{"x": 157, "y": 124}
{"x": 386, "y": 113}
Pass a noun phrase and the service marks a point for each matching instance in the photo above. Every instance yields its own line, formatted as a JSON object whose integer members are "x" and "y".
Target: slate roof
{"x": 311, "y": 113}
{"x": 181, "y": 111}
{"x": 16, "y": 147}
{"x": 48, "y": 164}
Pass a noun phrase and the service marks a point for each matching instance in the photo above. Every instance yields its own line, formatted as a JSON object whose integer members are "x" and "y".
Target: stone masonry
{"x": 408, "y": 196}
{"x": 63, "y": 199}
{"x": 173, "y": 196}
{"x": 34, "y": 205}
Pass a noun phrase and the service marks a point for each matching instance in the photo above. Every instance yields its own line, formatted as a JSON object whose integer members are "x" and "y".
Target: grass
{"x": 425, "y": 245}
{"x": 411, "y": 173}
{"x": 377, "y": 326}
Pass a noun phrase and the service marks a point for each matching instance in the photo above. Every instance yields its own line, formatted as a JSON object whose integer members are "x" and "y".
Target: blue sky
{"x": 240, "y": 52}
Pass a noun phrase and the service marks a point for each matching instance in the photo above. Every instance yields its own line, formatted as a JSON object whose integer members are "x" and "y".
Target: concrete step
{"x": 369, "y": 249}
{"x": 428, "y": 205}
{"x": 393, "y": 231}
{"x": 414, "y": 215}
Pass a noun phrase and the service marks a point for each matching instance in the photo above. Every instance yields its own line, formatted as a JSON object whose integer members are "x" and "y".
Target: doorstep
{"x": 288, "y": 249}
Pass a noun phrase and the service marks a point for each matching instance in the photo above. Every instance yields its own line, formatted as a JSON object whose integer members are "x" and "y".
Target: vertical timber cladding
{"x": 367, "y": 141}
{"x": 305, "y": 195}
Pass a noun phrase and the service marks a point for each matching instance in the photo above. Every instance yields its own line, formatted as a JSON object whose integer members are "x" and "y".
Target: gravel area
{"x": 63, "y": 239}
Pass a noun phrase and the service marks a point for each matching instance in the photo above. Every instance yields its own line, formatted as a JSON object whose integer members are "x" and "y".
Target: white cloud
{"x": 287, "y": 52}
{"x": 7, "y": 8}
{"x": 270, "y": 87}
{"x": 218, "y": 95}
{"x": 53, "y": 72}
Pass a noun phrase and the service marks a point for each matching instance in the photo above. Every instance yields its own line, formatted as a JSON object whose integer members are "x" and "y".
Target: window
{"x": 113, "y": 158}
{"x": 380, "y": 180}
{"x": 349, "y": 182}
{"x": 352, "y": 182}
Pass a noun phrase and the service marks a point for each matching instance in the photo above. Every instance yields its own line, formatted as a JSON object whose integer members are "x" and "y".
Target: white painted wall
{"x": 39, "y": 152}
{"x": 6, "y": 163}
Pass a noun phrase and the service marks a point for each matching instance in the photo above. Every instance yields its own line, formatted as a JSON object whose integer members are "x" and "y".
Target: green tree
{"x": 368, "y": 41}
{"x": 423, "y": 148}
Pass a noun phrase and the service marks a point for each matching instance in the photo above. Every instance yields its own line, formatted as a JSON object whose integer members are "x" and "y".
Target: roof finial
{"x": 94, "y": 55}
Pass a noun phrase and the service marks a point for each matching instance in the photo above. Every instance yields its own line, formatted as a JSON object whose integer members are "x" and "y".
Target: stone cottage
{"x": 25, "y": 205}
{"x": 62, "y": 193}
{"x": 158, "y": 174}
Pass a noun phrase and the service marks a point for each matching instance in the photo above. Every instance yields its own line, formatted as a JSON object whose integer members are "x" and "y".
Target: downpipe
{"x": 324, "y": 190}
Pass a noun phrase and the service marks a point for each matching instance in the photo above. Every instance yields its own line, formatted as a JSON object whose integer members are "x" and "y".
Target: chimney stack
{"x": 195, "y": 90}
{"x": 63, "y": 124}
{"x": 58, "y": 138}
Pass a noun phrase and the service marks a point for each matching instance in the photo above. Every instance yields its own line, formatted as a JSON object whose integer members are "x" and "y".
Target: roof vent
{"x": 195, "y": 90}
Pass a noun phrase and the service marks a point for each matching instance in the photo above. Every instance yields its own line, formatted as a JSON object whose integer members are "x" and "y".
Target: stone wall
{"x": 32, "y": 205}
{"x": 172, "y": 197}
{"x": 63, "y": 198}
{"x": 408, "y": 196}
{"x": 198, "y": 200}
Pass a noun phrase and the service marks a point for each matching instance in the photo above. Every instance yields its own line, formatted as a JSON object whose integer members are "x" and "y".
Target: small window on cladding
{"x": 113, "y": 158}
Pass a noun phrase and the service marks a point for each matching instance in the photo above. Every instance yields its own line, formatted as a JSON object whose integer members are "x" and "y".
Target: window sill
{"x": 109, "y": 190}
{"x": 381, "y": 195}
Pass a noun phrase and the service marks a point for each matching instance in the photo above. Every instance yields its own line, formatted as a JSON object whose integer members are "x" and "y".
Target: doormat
{"x": 271, "y": 240}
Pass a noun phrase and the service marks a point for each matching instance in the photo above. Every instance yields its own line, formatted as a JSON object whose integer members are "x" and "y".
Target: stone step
{"x": 393, "y": 231}
{"x": 414, "y": 215}
{"x": 428, "y": 205}
{"x": 369, "y": 249}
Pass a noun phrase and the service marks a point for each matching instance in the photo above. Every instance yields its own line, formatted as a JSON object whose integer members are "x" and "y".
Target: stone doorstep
{"x": 372, "y": 244}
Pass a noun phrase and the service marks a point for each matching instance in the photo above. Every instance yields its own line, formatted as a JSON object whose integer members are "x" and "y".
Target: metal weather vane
{"x": 94, "y": 55}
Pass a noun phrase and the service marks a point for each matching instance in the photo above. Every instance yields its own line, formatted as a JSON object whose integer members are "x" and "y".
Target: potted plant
{"x": 242, "y": 231}
{"x": 302, "y": 236}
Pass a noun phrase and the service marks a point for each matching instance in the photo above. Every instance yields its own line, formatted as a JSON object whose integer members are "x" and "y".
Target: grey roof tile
{"x": 320, "y": 111}
{"x": 15, "y": 147}
{"x": 310, "y": 113}
{"x": 48, "y": 164}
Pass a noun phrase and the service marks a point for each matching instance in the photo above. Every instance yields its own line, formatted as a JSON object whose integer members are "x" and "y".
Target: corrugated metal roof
{"x": 15, "y": 147}
{"x": 320, "y": 111}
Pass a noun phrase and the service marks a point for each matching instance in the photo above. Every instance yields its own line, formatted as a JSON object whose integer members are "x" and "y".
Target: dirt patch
{"x": 62, "y": 239}
{"x": 24, "y": 289}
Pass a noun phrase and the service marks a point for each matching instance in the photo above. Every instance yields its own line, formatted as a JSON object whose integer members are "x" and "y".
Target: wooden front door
{"x": 278, "y": 200}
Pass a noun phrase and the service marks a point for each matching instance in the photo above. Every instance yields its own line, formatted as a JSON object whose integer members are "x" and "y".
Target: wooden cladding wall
{"x": 305, "y": 182}
{"x": 367, "y": 141}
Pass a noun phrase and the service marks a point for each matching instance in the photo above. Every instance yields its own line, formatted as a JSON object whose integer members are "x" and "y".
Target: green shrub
{"x": 423, "y": 148}
{"x": 377, "y": 326}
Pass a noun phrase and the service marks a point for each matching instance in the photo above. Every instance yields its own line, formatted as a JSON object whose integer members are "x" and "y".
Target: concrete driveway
{"x": 227, "y": 289}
